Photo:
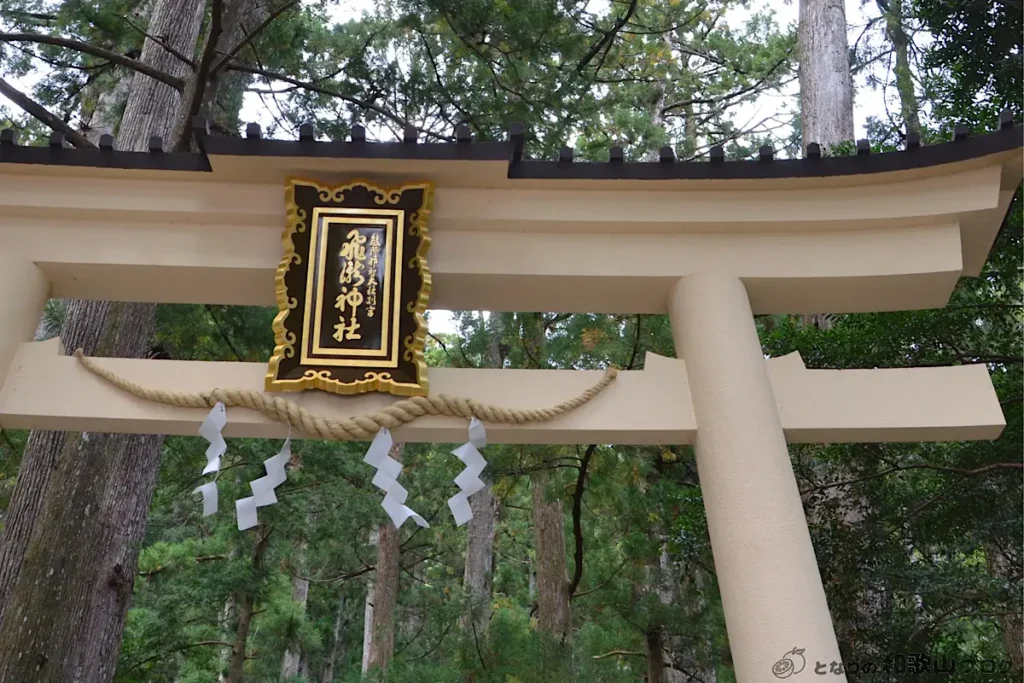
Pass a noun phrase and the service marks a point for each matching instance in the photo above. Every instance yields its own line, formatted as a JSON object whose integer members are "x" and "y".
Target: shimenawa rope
{"x": 360, "y": 428}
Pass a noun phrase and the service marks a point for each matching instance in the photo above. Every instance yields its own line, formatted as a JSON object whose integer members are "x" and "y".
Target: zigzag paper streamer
{"x": 210, "y": 430}
{"x": 209, "y": 491}
{"x": 263, "y": 488}
{"x": 469, "y": 481}
{"x": 386, "y": 479}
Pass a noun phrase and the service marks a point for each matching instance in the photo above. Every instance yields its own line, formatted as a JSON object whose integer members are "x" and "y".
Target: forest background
{"x": 589, "y": 563}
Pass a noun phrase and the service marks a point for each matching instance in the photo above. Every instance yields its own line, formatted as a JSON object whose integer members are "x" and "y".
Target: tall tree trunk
{"x": 385, "y": 590}
{"x": 67, "y": 605}
{"x": 1000, "y": 566}
{"x": 552, "y": 580}
{"x": 227, "y": 616}
{"x": 337, "y": 644}
{"x": 477, "y": 578}
{"x": 102, "y": 119}
{"x": 895, "y": 29}
{"x": 246, "y": 608}
{"x": 219, "y": 95}
{"x": 655, "y": 655}
{"x": 292, "y": 660}
{"x": 368, "y": 611}
{"x": 65, "y": 602}
{"x": 826, "y": 88}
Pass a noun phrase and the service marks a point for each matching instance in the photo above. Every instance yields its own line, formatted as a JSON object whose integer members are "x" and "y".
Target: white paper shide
{"x": 386, "y": 479}
{"x": 469, "y": 481}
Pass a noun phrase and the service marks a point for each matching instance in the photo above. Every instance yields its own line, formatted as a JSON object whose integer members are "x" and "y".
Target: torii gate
{"x": 710, "y": 244}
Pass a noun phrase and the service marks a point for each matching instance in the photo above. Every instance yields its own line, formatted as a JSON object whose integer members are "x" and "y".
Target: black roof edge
{"x": 409, "y": 150}
{"x": 104, "y": 157}
{"x": 1010, "y": 136}
{"x": 766, "y": 168}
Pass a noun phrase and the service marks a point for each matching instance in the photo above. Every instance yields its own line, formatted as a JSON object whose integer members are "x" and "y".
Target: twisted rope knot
{"x": 359, "y": 428}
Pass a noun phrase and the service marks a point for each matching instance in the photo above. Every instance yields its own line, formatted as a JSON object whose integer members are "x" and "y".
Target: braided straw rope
{"x": 360, "y": 428}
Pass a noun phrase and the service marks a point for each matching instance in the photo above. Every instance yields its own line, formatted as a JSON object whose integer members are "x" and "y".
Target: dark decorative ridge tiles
{"x": 1009, "y": 136}
{"x": 253, "y": 144}
{"x": 57, "y": 153}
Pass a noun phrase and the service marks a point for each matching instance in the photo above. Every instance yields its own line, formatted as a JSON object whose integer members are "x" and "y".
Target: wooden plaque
{"x": 352, "y": 289}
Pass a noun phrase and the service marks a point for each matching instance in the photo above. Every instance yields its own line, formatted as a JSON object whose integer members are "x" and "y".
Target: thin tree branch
{"x": 440, "y": 343}
{"x": 936, "y": 468}
{"x": 162, "y": 43}
{"x": 164, "y": 653}
{"x": 605, "y": 583}
{"x": 733, "y": 95}
{"x": 79, "y": 46}
{"x": 40, "y": 112}
{"x": 620, "y": 653}
{"x": 359, "y": 102}
{"x": 636, "y": 344}
{"x": 230, "y": 54}
{"x": 197, "y": 83}
{"x": 577, "y": 524}
{"x": 608, "y": 37}
{"x": 223, "y": 334}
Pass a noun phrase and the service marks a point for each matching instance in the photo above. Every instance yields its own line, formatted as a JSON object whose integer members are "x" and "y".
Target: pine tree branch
{"x": 162, "y": 43}
{"x": 40, "y": 112}
{"x": 164, "y": 653}
{"x": 620, "y": 653}
{"x": 608, "y": 37}
{"x": 935, "y": 468}
{"x": 313, "y": 87}
{"x": 79, "y": 46}
{"x": 249, "y": 37}
{"x": 636, "y": 343}
{"x": 197, "y": 83}
{"x": 577, "y": 524}
{"x": 223, "y": 334}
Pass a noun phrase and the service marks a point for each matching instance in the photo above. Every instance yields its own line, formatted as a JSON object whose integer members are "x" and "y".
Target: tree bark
{"x": 337, "y": 644}
{"x": 64, "y": 602}
{"x": 826, "y": 88}
{"x": 895, "y": 29}
{"x": 67, "y": 605}
{"x": 220, "y": 94}
{"x": 477, "y": 579}
{"x": 227, "y": 616}
{"x": 655, "y": 655}
{"x": 152, "y": 105}
{"x": 246, "y": 607}
{"x": 368, "y": 611}
{"x": 293, "y": 654}
{"x": 1012, "y": 625}
{"x": 552, "y": 580}
{"x": 385, "y": 590}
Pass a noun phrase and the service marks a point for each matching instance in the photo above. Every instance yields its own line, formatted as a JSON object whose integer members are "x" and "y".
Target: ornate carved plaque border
{"x": 352, "y": 288}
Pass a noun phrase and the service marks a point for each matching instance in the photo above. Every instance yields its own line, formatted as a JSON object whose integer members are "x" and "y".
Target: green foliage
{"x": 919, "y": 544}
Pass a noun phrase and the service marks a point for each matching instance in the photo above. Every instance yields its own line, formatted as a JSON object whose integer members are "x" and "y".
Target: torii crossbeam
{"x": 710, "y": 244}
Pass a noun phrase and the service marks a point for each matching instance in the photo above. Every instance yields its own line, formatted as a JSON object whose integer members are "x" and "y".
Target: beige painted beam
{"x": 940, "y": 199}
{"x": 47, "y": 390}
{"x": 859, "y": 246}
{"x": 837, "y": 271}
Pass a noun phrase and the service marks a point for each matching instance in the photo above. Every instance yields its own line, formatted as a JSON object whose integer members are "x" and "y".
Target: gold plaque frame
{"x": 301, "y": 360}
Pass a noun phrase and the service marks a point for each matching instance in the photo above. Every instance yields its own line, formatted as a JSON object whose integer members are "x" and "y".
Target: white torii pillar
{"x": 24, "y": 290}
{"x": 771, "y": 589}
